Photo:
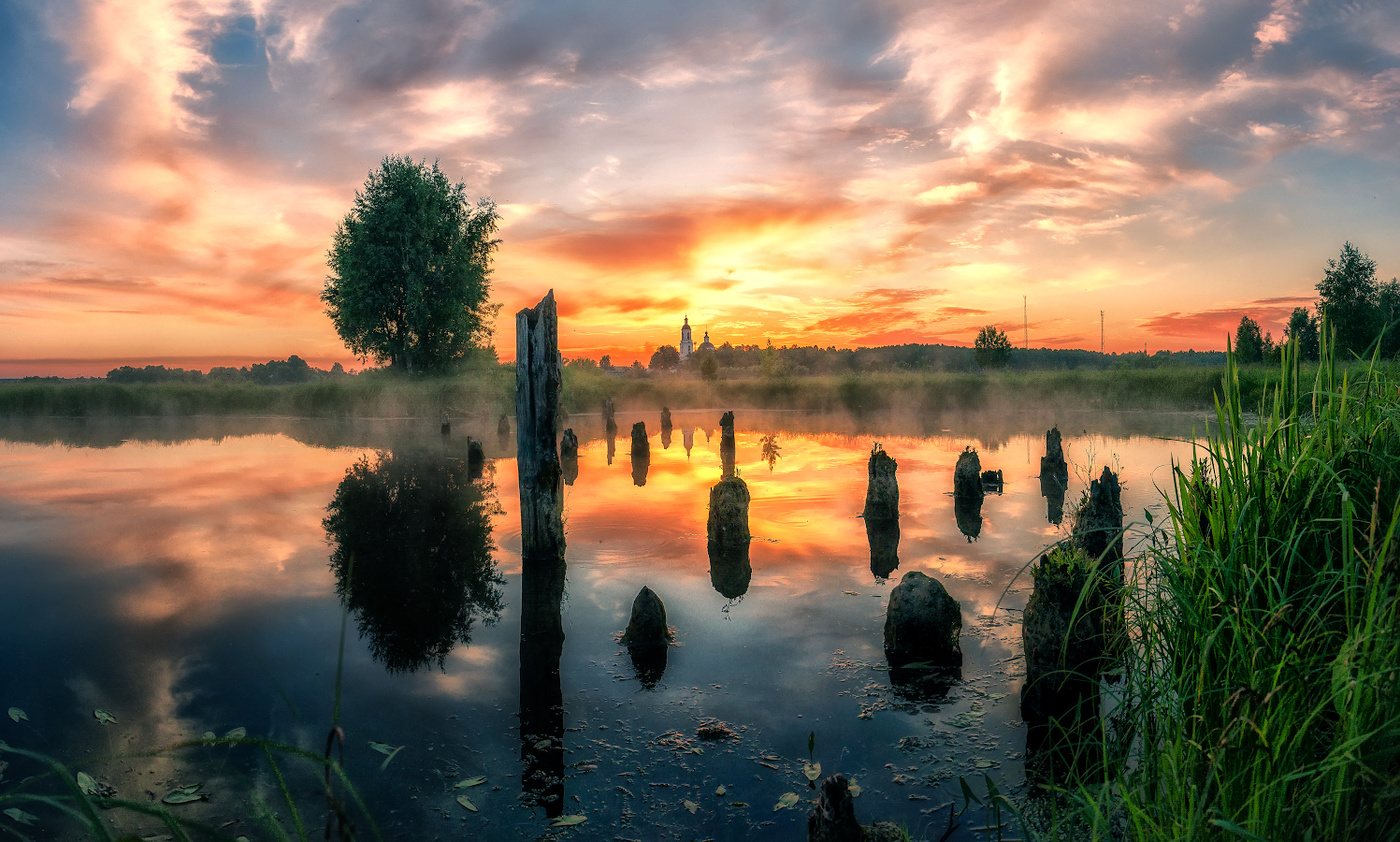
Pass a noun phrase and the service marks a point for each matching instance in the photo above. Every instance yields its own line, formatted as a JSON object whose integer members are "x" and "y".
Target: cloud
{"x": 1271, "y": 314}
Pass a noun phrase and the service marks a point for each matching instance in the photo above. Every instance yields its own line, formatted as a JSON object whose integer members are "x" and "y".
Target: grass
{"x": 1262, "y": 689}
{"x": 491, "y": 390}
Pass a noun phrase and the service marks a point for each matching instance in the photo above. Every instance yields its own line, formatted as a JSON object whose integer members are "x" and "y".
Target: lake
{"x": 189, "y": 576}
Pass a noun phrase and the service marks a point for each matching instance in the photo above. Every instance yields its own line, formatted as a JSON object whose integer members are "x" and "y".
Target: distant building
{"x": 706, "y": 345}
{"x": 687, "y": 345}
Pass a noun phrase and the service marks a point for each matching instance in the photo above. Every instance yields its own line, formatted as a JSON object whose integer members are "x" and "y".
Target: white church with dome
{"x": 687, "y": 346}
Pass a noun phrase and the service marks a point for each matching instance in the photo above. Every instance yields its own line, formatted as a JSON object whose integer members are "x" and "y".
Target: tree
{"x": 664, "y": 358}
{"x": 606, "y": 362}
{"x": 709, "y": 369}
{"x": 410, "y": 269}
{"x": 1302, "y": 329}
{"x": 1347, "y": 298}
{"x": 992, "y": 349}
{"x": 1249, "y": 341}
{"x": 1388, "y": 317}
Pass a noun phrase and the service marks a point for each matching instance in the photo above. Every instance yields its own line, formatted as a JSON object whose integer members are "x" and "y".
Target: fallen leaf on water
{"x": 542, "y": 744}
{"x": 738, "y": 803}
{"x": 691, "y": 806}
{"x": 466, "y": 782}
{"x": 787, "y": 799}
{"x": 87, "y": 784}
{"x": 769, "y": 765}
{"x": 387, "y": 750}
{"x": 812, "y": 770}
{"x": 237, "y": 733}
{"x": 20, "y": 816}
{"x": 466, "y": 802}
{"x": 720, "y": 790}
{"x": 569, "y": 821}
{"x": 853, "y": 788}
{"x": 850, "y": 593}
{"x": 184, "y": 794}
{"x": 209, "y": 736}
{"x": 16, "y": 714}
{"x": 983, "y": 764}
{"x": 104, "y": 717}
{"x": 772, "y": 757}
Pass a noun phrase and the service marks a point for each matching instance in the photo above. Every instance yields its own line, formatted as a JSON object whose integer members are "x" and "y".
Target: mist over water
{"x": 179, "y": 575}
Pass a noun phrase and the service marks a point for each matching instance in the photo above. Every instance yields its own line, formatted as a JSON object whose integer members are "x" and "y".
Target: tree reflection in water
{"x": 412, "y": 555}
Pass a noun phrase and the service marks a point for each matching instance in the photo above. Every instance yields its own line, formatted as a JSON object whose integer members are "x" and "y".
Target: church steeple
{"x": 687, "y": 345}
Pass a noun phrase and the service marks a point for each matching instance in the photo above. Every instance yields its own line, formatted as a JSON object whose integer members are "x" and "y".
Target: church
{"x": 687, "y": 346}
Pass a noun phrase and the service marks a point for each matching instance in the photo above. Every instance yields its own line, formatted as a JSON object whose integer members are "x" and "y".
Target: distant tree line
{"x": 1361, "y": 313}
{"x": 802, "y": 360}
{"x": 271, "y": 373}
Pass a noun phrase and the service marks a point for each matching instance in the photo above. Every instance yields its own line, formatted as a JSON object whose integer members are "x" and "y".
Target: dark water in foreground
{"x": 180, "y": 577}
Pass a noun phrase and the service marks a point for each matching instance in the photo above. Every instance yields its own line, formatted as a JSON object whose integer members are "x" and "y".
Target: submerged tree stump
{"x": 1098, "y": 523}
{"x": 923, "y": 623}
{"x": 727, "y": 531}
{"x": 537, "y": 382}
{"x": 609, "y": 419}
{"x": 647, "y": 626}
{"x": 641, "y": 445}
{"x": 967, "y": 476}
{"x": 476, "y": 458}
{"x": 568, "y": 456}
{"x": 726, "y": 444}
{"x": 1052, "y": 464}
{"x": 882, "y": 487}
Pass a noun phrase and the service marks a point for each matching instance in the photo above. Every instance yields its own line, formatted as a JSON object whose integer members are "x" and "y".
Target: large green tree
{"x": 991, "y": 349}
{"x": 411, "y": 269}
{"x": 1302, "y": 329}
{"x": 1249, "y": 341}
{"x": 1347, "y": 299}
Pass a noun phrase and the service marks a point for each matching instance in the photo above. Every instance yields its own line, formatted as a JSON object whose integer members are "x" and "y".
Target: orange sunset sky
{"x": 843, "y": 173}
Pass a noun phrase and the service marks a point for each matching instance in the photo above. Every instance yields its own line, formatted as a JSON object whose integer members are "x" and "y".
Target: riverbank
{"x": 490, "y": 392}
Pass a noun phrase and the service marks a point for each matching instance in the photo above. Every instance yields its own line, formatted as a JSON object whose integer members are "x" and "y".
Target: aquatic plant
{"x": 1263, "y": 636}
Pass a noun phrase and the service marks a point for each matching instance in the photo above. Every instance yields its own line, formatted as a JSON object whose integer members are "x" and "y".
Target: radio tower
{"x": 1100, "y": 331}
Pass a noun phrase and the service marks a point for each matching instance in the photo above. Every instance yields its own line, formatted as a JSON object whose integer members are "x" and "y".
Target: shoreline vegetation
{"x": 489, "y": 389}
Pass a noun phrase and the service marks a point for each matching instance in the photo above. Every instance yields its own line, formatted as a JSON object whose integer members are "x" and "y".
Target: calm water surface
{"x": 181, "y": 575}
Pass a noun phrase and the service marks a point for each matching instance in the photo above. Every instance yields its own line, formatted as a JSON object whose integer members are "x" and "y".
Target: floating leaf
{"x": 691, "y": 807}
{"x": 466, "y": 802}
{"x": 854, "y": 789}
{"x": 787, "y": 799}
{"x": 773, "y": 757}
{"x": 720, "y": 790}
{"x": 237, "y": 733}
{"x": 87, "y": 784}
{"x": 104, "y": 717}
{"x": 542, "y": 744}
{"x": 387, "y": 750}
{"x": 812, "y": 770}
{"x": 738, "y": 803}
{"x": 184, "y": 794}
{"x": 850, "y": 593}
{"x": 466, "y": 782}
{"x": 16, "y": 714}
{"x": 569, "y": 821}
{"x": 209, "y": 737}
{"x": 20, "y": 816}
{"x": 983, "y": 764}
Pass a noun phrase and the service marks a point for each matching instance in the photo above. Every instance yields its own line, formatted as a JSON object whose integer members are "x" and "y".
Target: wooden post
{"x": 537, "y": 382}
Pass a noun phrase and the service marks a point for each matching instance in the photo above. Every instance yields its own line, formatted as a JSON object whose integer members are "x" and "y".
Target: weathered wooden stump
{"x": 727, "y": 530}
{"x": 609, "y": 416}
{"x": 1098, "y": 523}
{"x": 967, "y": 475}
{"x": 647, "y": 626}
{"x": 882, "y": 487}
{"x": 923, "y": 623}
{"x": 476, "y": 458}
{"x": 641, "y": 445}
{"x": 568, "y": 456}
{"x": 1053, "y": 464}
{"x": 726, "y": 444}
{"x": 537, "y": 382}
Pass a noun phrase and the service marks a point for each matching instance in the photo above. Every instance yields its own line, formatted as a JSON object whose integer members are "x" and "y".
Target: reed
{"x": 1261, "y": 697}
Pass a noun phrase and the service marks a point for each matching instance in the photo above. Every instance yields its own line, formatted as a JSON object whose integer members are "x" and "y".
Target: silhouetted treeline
{"x": 812, "y": 359}
{"x": 271, "y": 373}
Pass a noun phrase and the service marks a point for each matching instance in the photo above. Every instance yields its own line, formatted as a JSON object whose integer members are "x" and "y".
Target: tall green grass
{"x": 1262, "y": 689}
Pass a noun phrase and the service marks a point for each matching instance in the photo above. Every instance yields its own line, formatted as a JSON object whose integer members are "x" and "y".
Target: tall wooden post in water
{"x": 537, "y": 381}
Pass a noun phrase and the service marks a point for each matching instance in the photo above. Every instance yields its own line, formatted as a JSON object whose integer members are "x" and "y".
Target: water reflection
{"x": 568, "y": 456}
{"x": 688, "y": 440}
{"x": 968, "y": 513}
{"x": 883, "y": 536}
{"x": 541, "y": 694}
{"x": 412, "y": 555}
{"x": 1052, "y": 488}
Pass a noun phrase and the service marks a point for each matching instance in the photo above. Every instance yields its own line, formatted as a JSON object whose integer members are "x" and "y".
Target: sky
{"x": 831, "y": 172}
